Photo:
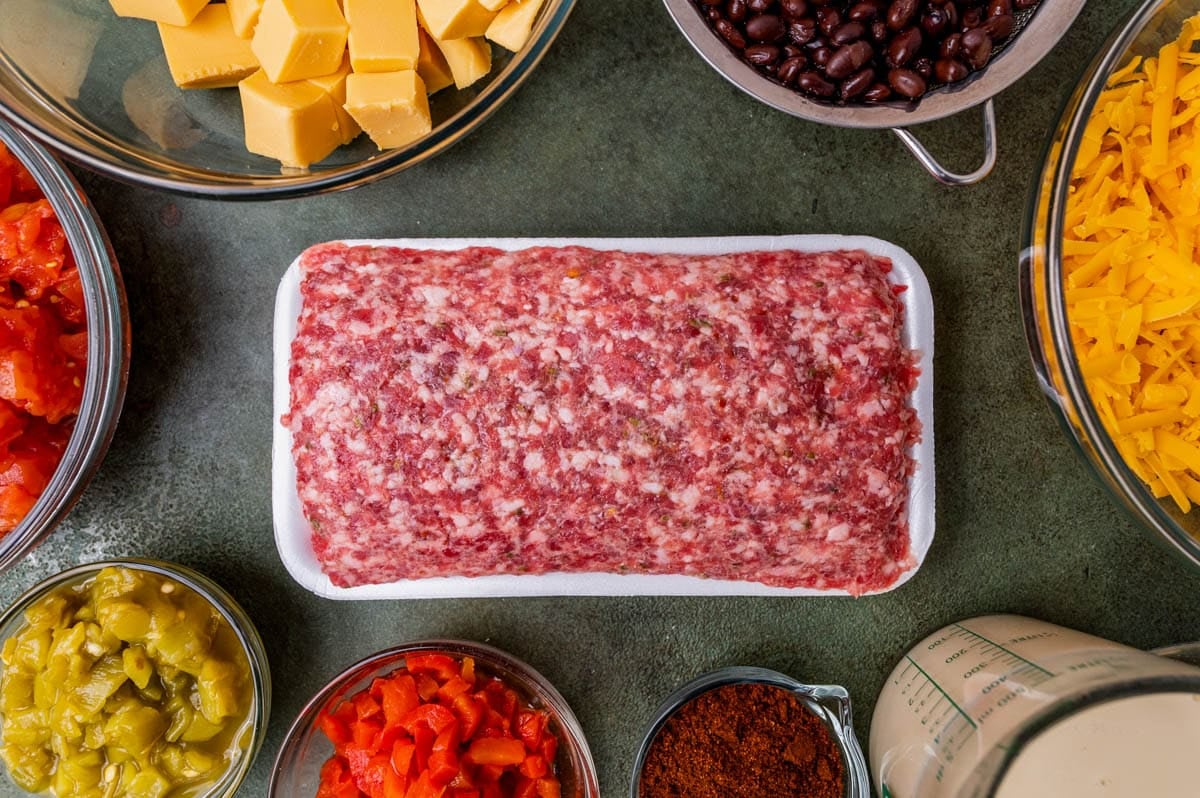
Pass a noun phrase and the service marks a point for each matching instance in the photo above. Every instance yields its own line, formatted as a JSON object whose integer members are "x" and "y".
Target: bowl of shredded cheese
{"x": 1110, "y": 277}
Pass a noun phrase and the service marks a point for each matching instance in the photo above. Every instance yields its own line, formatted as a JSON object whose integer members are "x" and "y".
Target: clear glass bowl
{"x": 108, "y": 346}
{"x": 75, "y": 75}
{"x": 243, "y": 627}
{"x": 1042, "y": 289}
{"x": 297, "y": 769}
{"x": 830, "y": 703}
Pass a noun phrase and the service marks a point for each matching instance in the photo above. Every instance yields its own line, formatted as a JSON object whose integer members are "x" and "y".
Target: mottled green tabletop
{"x": 624, "y": 131}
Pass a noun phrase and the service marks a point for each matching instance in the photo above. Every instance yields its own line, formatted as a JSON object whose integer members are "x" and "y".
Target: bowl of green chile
{"x": 130, "y": 678}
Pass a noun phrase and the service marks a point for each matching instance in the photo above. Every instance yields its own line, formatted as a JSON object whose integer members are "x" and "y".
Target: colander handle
{"x": 941, "y": 173}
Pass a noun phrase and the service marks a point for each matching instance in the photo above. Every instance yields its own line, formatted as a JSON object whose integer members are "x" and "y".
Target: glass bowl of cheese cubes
{"x": 1109, "y": 282}
{"x": 263, "y": 98}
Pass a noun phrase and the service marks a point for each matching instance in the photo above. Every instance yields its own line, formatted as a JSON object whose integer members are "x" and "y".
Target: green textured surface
{"x": 624, "y": 131}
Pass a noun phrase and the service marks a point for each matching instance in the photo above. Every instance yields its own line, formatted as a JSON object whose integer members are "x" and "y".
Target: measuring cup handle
{"x": 941, "y": 173}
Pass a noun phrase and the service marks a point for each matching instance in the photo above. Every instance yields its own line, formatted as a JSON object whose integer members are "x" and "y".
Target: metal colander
{"x": 1035, "y": 33}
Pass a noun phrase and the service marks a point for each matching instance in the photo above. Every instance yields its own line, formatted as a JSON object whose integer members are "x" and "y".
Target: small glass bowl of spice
{"x": 748, "y": 732}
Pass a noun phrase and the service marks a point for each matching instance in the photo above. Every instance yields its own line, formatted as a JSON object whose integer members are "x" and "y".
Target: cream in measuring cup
{"x": 1012, "y": 707}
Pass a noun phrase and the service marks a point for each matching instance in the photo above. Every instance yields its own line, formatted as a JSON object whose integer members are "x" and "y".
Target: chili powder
{"x": 744, "y": 741}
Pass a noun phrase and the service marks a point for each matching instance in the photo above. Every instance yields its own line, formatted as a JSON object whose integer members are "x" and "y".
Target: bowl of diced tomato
{"x": 436, "y": 719}
{"x": 64, "y": 343}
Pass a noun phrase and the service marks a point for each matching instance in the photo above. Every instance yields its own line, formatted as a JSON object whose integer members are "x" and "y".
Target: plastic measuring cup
{"x": 964, "y": 702}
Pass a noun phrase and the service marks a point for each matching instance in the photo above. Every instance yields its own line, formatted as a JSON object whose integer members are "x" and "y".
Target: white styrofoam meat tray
{"x": 293, "y": 535}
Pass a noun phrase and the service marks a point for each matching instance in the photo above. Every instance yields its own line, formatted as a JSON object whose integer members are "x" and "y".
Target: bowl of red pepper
{"x": 64, "y": 343}
{"x": 436, "y": 718}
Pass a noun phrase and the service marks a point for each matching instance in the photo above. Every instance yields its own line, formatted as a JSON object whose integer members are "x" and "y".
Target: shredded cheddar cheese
{"x": 1131, "y": 266}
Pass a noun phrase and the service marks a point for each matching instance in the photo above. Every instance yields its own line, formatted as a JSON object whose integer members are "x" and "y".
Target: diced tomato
{"x": 357, "y": 758}
{"x": 549, "y": 748}
{"x": 366, "y": 706}
{"x": 496, "y": 751}
{"x": 424, "y": 737}
{"x": 549, "y": 788}
{"x": 366, "y": 734}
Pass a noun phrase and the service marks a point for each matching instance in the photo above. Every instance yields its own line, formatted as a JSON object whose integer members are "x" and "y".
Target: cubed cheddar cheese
{"x": 392, "y": 107}
{"x": 511, "y": 27}
{"x": 172, "y": 12}
{"x": 207, "y": 54}
{"x": 335, "y": 86}
{"x": 383, "y": 34}
{"x": 244, "y": 14}
{"x": 295, "y": 123}
{"x": 432, "y": 66}
{"x": 299, "y": 39}
{"x": 468, "y": 59}
{"x": 455, "y": 19}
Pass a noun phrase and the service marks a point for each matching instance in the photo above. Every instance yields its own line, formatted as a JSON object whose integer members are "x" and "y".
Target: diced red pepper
{"x": 402, "y": 756}
{"x": 534, "y": 766}
{"x": 496, "y": 751}
{"x": 442, "y": 666}
{"x": 530, "y": 725}
{"x": 425, "y": 732}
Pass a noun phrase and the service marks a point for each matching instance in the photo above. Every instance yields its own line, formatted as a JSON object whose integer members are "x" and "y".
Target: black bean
{"x": 864, "y": 11}
{"x": 711, "y": 2}
{"x": 813, "y": 83}
{"x": 949, "y": 70}
{"x": 791, "y": 51}
{"x": 977, "y": 47}
{"x": 998, "y": 8}
{"x": 934, "y": 22}
{"x": 950, "y": 46}
{"x": 848, "y": 59}
{"x": 713, "y": 13}
{"x": 879, "y": 31}
{"x": 903, "y": 47}
{"x": 906, "y": 83}
{"x": 828, "y": 20}
{"x": 923, "y": 67}
{"x": 790, "y": 69}
{"x": 736, "y": 10}
{"x": 820, "y": 56}
{"x": 877, "y": 93}
{"x": 759, "y": 6}
{"x": 802, "y": 31}
{"x": 762, "y": 54}
{"x": 765, "y": 28}
{"x": 999, "y": 27}
{"x": 972, "y": 18}
{"x": 793, "y": 9}
{"x": 857, "y": 83}
{"x": 951, "y": 14}
{"x": 731, "y": 34}
{"x": 1025, "y": 4}
{"x": 849, "y": 32}
{"x": 900, "y": 13}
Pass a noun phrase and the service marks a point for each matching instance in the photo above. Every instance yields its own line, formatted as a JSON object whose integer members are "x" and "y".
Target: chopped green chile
{"x": 130, "y": 684}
